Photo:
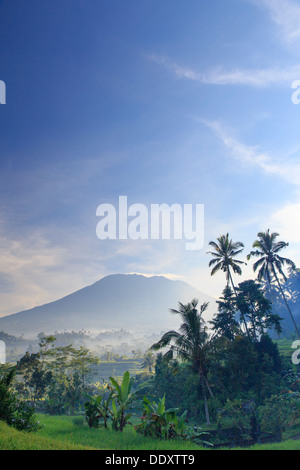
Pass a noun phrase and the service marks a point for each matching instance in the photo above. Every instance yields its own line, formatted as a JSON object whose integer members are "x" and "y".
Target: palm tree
{"x": 270, "y": 263}
{"x": 223, "y": 259}
{"x": 149, "y": 361}
{"x": 190, "y": 344}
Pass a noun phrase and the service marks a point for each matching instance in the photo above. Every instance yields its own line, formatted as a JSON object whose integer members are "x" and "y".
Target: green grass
{"x": 285, "y": 347}
{"x": 67, "y": 433}
{"x": 285, "y": 445}
{"x": 11, "y": 439}
{"x": 62, "y": 428}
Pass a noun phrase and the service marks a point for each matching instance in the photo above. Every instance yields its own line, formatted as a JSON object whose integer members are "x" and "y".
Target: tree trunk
{"x": 286, "y": 303}
{"x": 208, "y": 387}
{"x": 202, "y": 384}
{"x": 253, "y": 322}
{"x": 234, "y": 290}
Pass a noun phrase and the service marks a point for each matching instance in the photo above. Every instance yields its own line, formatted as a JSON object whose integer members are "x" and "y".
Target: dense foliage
{"x": 14, "y": 411}
{"x": 55, "y": 378}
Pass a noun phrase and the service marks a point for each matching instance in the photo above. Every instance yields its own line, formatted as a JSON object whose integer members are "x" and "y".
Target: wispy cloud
{"x": 287, "y": 222}
{"x": 251, "y": 156}
{"x": 24, "y": 264}
{"x": 255, "y": 78}
{"x": 166, "y": 275}
{"x": 34, "y": 270}
{"x": 286, "y": 15}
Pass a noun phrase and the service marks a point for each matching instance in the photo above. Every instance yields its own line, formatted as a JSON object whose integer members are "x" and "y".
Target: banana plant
{"x": 98, "y": 408}
{"x": 157, "y": 421}
{"x": 122, "y": 398}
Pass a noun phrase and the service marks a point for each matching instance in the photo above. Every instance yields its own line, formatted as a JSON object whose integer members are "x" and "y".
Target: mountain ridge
{"x": 130, "y": 301}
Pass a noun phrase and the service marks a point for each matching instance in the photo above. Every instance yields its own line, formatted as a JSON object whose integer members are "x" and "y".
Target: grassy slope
{"x": 11, "y": 439}
{"x": 285, "y": 445}
{"x": 60, "y": 433}
{"x": 63, "y": 429}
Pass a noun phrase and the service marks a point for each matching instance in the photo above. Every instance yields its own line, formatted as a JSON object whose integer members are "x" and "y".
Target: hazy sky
{"x": 163, "y": 101}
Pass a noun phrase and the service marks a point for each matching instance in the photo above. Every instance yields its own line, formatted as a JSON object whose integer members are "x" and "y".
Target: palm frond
{"x": 165, "y": 340}
{"x": 216, "y": 268}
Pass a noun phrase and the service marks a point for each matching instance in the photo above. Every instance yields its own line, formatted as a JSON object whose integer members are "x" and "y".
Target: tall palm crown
{"x": 223, "y": 256}
{"x": 223, "y": 259}
{"x": 190, "y": 340}
{"x": 267, "y": 248}
{"x": 271, "y": 264}
{"x": 191, "y": 343}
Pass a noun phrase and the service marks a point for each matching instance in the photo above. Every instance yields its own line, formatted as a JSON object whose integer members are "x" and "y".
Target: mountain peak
{"x": 130, "y": 301}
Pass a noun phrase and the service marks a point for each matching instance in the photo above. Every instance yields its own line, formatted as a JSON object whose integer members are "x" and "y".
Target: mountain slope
{"x": 131, "y": 302}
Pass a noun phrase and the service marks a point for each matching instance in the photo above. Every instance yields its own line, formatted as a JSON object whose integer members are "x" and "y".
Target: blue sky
{"x": 169, "y": 101}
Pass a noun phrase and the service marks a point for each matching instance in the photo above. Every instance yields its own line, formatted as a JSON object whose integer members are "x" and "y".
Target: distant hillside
{"x": 292, "y": 291}
{"x": 132, "y": 302}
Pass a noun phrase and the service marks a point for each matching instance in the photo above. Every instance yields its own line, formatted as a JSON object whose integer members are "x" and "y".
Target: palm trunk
{"x": 286, "y": 303}
{"x": 208, "y": 387}
{"x": 254, "y": 330}
{"x": 234, "y": 290}
{"x": 202, "y": 384}
{"x": 253, "y": 322}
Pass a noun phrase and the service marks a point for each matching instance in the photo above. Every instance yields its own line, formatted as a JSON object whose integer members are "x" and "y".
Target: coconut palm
{"x": 225, "y": 251}
{"x": 270, "y": 264}
{"x": 190, "y": 344}
{"x": 149, "y": 361}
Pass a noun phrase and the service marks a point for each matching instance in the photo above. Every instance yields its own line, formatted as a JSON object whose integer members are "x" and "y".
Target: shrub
{"x": 97, "y": 411}
{"x": 235, "y": 419}
{"x": 13, "y": 411}
{"x": 276, "y": 414}
{"x": 114, "y": 407}
{"x": 159, "y": 422}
